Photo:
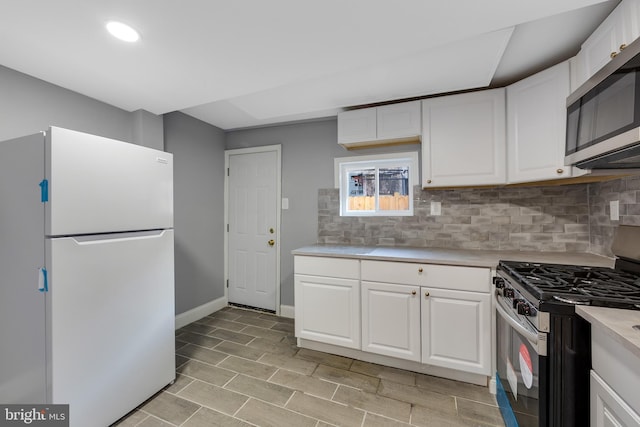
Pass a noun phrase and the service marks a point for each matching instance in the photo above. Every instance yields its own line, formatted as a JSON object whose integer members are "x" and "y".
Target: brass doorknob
{"x": 413, "y": 292}
{"x": 613, "y": 54}
{"x": 426, "y": 294}
{"x": 271, "y": 242}
{"x": 623, "y": 46}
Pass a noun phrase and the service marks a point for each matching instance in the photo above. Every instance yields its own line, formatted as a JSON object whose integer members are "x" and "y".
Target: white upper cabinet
{"x": 355, "y": 126}
{"x": 536, "y": 125}
{"x": 398, "y": 120}
{"x": 618, "y": 30}
{"x": 387, "y": 124}
{"x": 463, "y": 139}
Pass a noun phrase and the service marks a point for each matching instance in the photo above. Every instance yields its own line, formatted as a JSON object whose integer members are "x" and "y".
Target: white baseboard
{"x": 287, "y": 311}
{"x": 197, "y": 313}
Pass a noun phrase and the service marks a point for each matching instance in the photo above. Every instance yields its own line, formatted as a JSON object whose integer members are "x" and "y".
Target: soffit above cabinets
{"x": 249, "y": 62}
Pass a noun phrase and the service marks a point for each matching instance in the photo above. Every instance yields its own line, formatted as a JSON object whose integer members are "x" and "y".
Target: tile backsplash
{"x": 566, "y": 218}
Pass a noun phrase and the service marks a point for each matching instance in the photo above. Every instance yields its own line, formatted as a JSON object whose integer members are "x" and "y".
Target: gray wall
{"x": 308, "y": 150}
{"x": 29, "y": 105}
{"x": 198, "y": 155}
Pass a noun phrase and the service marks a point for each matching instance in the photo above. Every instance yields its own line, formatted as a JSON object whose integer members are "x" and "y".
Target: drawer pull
{"x": 420, "y": 270}
{"x": 413, "y": 292}
{"x": 426, "y": 294}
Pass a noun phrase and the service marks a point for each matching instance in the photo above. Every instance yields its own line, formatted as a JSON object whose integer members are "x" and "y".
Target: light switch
{"x": 285, "y": 203}
{"x": 436, "y": 208}
{"x": 615, "y": 210}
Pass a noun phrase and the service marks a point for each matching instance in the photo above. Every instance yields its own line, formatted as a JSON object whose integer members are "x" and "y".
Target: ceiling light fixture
{"x": 122, "y": 31}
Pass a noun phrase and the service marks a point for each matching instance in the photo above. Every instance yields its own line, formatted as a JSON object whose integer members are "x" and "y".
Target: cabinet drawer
{"x": 402, "y": 273}
{"x": 331, "y": 267}
{"x": 474, "y": 279}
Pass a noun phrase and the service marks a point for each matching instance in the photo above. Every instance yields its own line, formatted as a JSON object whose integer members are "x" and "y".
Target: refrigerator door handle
{"x": 43, "y": 280}
{"x": 97, "y": 238}
{"x": 44, "y": 190}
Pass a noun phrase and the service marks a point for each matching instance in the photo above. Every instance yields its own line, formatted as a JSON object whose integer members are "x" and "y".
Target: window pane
{"x": 362, "y": 190}
{"x": 394, "y": 188}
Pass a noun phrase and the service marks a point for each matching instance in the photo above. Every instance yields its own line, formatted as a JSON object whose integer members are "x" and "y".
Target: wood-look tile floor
{"x": 242, "y": 368}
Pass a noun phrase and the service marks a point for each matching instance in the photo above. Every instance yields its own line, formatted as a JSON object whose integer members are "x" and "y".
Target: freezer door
{"x": 110, "y": 309}
{"x": 100, "y": 185}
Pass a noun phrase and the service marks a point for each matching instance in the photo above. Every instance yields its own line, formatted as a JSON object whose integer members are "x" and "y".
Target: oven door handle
{"x": 531, "y": 336}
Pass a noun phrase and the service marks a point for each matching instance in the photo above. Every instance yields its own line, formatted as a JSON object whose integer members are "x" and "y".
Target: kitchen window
{"x": 378, "y": 185}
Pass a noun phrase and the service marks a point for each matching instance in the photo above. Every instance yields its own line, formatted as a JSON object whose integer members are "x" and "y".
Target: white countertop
{"x": 470, "y": 258}
{"x": 616, "y": 323}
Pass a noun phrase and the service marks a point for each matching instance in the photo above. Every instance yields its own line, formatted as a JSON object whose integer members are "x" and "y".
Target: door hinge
{"x": 227, "y": 228}
{"x": 227, "y": 171}
{"x": 227, "y": 283}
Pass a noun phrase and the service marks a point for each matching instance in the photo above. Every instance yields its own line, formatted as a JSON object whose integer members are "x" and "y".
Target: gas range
{"x": 571, "y": 284}
{"x": 543, "y": 348}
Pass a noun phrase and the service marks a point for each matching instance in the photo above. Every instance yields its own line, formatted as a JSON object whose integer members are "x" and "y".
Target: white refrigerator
{"x": 86, "y": 274}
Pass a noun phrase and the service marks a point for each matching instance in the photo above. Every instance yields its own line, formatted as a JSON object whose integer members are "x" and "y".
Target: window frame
{"x": 342, "y": 166}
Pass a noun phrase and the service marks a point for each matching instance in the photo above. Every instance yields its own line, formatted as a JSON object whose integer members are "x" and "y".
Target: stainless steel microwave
{"x": 603, "y": 116}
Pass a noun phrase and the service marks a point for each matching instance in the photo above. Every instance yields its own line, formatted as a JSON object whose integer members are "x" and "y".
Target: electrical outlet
{"x": 436, "y": 208}
{"x": 614, "y": 206}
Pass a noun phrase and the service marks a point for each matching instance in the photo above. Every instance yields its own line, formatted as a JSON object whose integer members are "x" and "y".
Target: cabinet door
{"x": 617, "y": 31}
{"x": 536, "y": 126}
{"x": 607, "y": 408}
{"x": 456, "y": 330}
{"x": 391, "y": 320}
{"x": 399, "y": 120}
{"x": 357, "y": 126}
{"x": 327, "y": 309}
{"x": 463, "y": 139}
{"x": 597, "y": 49}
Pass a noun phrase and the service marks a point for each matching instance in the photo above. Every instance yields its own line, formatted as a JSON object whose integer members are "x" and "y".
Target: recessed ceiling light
{"x": 122, "y": 31}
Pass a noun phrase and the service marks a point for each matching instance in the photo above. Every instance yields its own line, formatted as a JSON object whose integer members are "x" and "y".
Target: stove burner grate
{"x": 600, "y": 285}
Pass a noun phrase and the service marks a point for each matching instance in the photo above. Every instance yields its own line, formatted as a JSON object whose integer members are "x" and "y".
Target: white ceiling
{"x": 243, "y": 63}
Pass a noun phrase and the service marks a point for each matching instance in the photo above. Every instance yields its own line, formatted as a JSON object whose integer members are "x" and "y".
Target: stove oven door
{"x": 521, "y": 381}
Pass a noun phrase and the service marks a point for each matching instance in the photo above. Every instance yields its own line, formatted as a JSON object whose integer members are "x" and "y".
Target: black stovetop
{"x": 599, "y": 286}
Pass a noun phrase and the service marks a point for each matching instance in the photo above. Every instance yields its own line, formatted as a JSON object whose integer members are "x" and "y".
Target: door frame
{"x": 277, "y": 148}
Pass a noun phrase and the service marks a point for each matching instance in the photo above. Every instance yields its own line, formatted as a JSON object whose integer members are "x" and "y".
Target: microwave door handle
{"x": 532, "y": 337}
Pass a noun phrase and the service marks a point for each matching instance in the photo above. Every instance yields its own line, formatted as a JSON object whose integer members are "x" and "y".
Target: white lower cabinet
{"x": 436, "y": 315}
{"x": 456, "y": 329}
{"x": 327, "y": 308}
{"x": 614, "y": 382}
{"x": 607, "y": 408}
{"x": 391, "y": 320}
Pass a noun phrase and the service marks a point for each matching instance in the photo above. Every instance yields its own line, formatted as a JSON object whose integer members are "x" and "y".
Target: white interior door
{"x": 253, "y": 220}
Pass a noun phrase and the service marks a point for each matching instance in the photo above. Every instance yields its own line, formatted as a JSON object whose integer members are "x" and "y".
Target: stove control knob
{"x": 508, "y": 292}
{"x": 524, "y": 308}
{"x": 516, "y": 302}
{"x": 499, "y": 282}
